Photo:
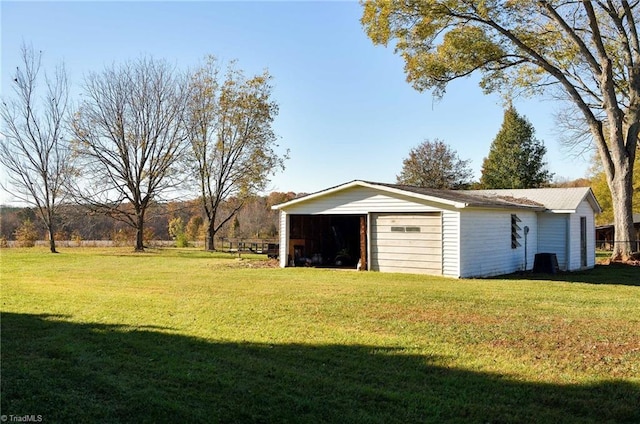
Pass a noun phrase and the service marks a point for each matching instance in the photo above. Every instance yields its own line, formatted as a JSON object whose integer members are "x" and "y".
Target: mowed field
{"x": 111, "y": 336}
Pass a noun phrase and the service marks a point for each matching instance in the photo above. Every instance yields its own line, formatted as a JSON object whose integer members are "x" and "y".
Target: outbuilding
{"x": 396, "y": 228}
{"x": 606, "y": 235}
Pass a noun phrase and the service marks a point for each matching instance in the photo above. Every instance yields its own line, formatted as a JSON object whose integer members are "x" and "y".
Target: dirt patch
{"x": 249, "y": 263}
{"x": 634, "y": 261}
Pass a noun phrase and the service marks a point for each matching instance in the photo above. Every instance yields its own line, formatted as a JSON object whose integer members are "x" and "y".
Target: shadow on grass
{"x": 69, "y": 372}
{"x": 620, "y": 274}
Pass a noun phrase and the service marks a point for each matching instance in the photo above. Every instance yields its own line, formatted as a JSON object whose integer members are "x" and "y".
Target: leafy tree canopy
{"x": 516, "y": 158}
{"x": 434, "y": 164}
{"x": 233, "y": 144}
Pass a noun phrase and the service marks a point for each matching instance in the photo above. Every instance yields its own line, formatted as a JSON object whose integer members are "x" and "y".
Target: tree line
{"x": 515, "y": 160}
{"x": 143, "y": 133}
{"x": 180, "y": 221}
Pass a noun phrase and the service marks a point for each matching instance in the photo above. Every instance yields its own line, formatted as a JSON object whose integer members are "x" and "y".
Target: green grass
{"x": 180, "y": 335}
{"x": 602, "y": 254}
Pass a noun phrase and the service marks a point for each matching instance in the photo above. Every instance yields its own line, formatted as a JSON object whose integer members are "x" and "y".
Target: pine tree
{"x": 516, "y": 158}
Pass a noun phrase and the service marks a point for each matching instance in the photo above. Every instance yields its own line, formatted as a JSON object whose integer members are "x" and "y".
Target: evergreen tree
{"x": 516, "y": 158}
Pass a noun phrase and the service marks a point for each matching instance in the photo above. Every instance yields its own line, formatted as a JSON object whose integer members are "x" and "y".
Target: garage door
{"x": 407, "y": 243}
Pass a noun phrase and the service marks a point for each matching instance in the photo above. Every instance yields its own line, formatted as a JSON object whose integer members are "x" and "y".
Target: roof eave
{"x": 315, "y": 195}
{"x": 594, "y": 202}
{"x": 502, "y": 207}
{"x": 414, "y": 194}
{"x": 360, "y": 183}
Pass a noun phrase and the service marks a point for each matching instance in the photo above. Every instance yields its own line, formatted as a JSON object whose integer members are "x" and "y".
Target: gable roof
{"x": 468, "y": 198}
{"x": 565, "y": 199}
{"x": 455, "y": 198}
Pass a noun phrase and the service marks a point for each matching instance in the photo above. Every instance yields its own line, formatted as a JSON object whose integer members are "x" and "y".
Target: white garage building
{"x": 393, "y": 228}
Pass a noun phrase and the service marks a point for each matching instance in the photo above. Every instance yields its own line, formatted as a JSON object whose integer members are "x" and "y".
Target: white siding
{"x": 451, "y": 243}
{"x": 284, "y": 239}
{"x": 359, "y": 200}
{"x": 485, "y": 242}
{"x": 417, "y": 251}
{"x": 584, "y": 209}
{"x": 552, "y": 236}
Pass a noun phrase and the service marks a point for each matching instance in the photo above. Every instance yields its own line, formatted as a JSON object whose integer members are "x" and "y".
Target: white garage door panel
{"x": 407, "y": 237}
{"x": 402, "y": 250}
{"x": 411, "y": 267}
{"x": 415, "y": 257}
{"x": 414, "y": 269}
{"x": 406, "y": 262}
{"x": 426, "y": 225}
{"x": 415, "y": 245}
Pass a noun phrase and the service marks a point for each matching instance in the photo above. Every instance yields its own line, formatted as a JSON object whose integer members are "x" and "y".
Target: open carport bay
{"x": 325, "y": 240}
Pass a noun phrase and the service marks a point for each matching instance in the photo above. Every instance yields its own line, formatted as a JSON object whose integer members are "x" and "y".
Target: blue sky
{"x": 346, "y": 111}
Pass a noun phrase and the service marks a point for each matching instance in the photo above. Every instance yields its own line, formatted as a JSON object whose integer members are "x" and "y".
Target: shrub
{"x": 61, "y": 235}
{"x": 176, "y": 227}
{"x": 182, "y": 240}
{"x": 122, "y": 237}
{"x": 26, "y": 234}
{"x": 76, "y": 238}
{"x": 148, "y": 235}
{"x": 176, "y": 230}
{"x": 195, "y": 228}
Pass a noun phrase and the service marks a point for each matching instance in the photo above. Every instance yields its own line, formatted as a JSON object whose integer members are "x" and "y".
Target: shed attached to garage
{"x": 394, "y": 228}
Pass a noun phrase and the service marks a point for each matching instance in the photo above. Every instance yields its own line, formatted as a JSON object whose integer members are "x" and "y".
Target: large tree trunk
{"x": 48, "y": 218}
{"x": 618, "y": 157}
{"x": 621, "y": 196}
{"x": 52, "y": 240}
{"x": 140, "y": 233}
{"x": 209, "y": 242}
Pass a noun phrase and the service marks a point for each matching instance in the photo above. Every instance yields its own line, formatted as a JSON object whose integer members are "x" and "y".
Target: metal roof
{"x": 468, "y": 198}
{"x": 565, "y": 199}
{"x": 456, "y": 198}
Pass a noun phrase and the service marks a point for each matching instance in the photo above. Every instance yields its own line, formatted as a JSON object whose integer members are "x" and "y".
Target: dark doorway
{"x": 325, "y": 240}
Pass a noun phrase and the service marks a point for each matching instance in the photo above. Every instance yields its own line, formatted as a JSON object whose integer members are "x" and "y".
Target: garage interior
{"x": 332, "y": 241}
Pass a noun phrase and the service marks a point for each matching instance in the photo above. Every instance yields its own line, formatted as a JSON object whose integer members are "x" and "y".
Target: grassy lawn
{"x": 111, "y": 336}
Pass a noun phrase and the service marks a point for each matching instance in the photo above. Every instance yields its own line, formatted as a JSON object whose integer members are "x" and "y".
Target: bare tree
{"x": 232, "y": 140}
{"x": 33, "y": 150}
{"x": 129, "y": 135}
